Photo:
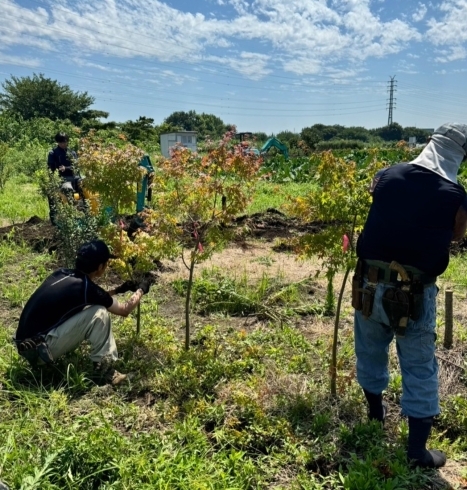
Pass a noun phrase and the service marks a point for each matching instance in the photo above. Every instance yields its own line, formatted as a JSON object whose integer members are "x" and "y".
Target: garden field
{"x": 248, "y": 406}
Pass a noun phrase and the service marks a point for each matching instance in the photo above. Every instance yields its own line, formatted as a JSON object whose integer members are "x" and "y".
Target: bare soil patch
{"x": 37, "y": 233}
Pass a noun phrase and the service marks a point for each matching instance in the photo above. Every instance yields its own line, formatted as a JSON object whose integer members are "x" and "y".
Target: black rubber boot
{"x": 377, "y": 408}
{"x": 419, "y": 430}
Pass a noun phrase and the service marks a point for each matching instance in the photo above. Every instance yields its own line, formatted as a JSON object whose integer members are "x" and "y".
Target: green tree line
{"x": 34, "y": 108}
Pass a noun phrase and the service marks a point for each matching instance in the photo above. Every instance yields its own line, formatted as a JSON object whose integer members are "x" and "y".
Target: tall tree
{"x": 421, "y": 134}
{"x": 140, "y": 130}
{"x": 207, "y": 125}
{"x": 38, "y": 96}
{"x": 393, "y": 132}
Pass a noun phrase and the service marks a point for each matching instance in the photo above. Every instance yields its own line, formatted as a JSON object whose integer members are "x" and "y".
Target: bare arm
{"x": 460, "y": 225}
{"x": 126, "y": 308}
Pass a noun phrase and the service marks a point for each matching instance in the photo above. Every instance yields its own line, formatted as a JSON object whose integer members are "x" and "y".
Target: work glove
{"x": 125, "y": 287}
{"x": 144, "y": 286}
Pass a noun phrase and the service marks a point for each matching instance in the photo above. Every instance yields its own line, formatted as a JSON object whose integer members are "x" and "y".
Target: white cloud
{"x": 306, "y": 36}
{"x": 7, "y": 59}
{"x": 450, "y": 28}
{"x": 420, "y": 13}
{"x": 405, "y": 67}
{"x": 452, "y": 54}
{"x": 97, "y": 66}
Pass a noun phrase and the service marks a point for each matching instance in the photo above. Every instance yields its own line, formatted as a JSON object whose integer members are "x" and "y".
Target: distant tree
{"x": 207, "y": 125}
{"x": 355, "y": 133}
{"x": 165, "y": 128}
{"x": 312, "y": 135}
{"x": 140, "y": 130}
{"x": 289, "y": 138}
{"x": 211, "y": 126}
{"x": 37, "y": 96}
{"x": 393, "y": 132}
{"x": 186, "y": 121}
{"x": 421, "y": 134}
{"x": 330, "y": 132}
{"x": 337, "y": 144}
{"x": 260, "y": 137}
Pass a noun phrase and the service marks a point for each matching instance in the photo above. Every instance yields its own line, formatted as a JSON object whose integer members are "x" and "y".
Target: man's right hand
{"x": 144, "y": 286}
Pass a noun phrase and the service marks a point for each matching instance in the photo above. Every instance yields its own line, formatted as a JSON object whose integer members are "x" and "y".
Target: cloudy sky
{"x": 265, "y": 65}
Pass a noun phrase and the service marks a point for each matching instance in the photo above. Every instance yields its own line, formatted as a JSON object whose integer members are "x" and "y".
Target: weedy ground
{"x": 247, "y": 407}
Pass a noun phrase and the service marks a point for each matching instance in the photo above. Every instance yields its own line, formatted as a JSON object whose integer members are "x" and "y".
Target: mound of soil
{"x": 274, "y": 224}
{"x": 37, "y": 233}
{"x": 40, "y": 234}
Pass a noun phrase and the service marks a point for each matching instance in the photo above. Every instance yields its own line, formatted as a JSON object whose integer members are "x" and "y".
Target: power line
{"x": 327, "y": 114}
{"x": 207, "y": 104}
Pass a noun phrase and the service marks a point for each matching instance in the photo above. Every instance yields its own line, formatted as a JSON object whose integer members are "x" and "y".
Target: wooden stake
{"x": 448, "y": 321}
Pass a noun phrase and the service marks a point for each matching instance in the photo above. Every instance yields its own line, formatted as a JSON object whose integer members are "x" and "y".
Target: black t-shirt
{"x": 58, "y": 157}
{"x": 63, "y": 294}
{"x": 411, "y": 219}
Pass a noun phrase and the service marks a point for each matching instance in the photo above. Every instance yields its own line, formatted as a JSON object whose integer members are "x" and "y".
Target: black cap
{"x": 95, "y": 253}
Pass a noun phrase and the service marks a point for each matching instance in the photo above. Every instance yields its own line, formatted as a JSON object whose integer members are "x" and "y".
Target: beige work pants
{"x": 92, "y": 324}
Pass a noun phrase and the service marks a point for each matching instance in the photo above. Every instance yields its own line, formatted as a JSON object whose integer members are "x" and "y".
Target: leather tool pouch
{"x": 357, "y": 286}
{"x": 417, "y": 295}
{"x": 369, "y": 292}
{"x": 396, "y": 304}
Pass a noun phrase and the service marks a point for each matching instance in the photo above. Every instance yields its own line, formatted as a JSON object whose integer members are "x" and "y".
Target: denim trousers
{"x": 416, "y": 353}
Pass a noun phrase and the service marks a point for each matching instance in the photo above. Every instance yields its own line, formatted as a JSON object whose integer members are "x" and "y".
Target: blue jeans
{"x": 416, "y": 352}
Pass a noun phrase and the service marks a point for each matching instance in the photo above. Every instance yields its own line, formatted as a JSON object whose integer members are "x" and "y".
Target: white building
{"x": 186, "y": 139}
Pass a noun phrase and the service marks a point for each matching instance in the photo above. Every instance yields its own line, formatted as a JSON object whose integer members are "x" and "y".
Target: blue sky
{"x": 264, "y": 65}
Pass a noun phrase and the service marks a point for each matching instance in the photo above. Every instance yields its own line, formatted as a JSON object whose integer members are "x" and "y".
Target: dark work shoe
{"x": 418, "y": 455}
{"x": 108, "y": 374}
{"x": 431, "y": 458}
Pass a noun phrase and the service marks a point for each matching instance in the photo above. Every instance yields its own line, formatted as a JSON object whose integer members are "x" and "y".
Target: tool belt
{"x": 401, "y": 302}
{"x": 34, "y": 349}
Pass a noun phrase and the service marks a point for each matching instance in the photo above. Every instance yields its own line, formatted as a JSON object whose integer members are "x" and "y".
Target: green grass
{"x": 248, "y": 407}
{"x": 270, "y": 195}
{"x": 20, "y": 200}
{"x": 241, "y": 410}
{"x": 456, "y": 273}
{"x": 270, "y": 297}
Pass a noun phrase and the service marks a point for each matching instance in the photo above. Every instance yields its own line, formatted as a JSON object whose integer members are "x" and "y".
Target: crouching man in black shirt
{"x": 68, "y": 308}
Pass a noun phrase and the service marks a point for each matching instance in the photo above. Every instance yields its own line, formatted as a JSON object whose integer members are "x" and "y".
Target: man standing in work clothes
{"x": 69, "y": 308}
{"x": 418, "y": 209}
{"x": 60, "y": 159}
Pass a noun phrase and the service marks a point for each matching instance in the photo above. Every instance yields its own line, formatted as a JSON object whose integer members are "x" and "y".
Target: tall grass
{"x": 20, "y": 200}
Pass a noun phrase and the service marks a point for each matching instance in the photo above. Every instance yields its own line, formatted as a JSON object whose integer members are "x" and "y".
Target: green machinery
{"x": 270, "y": 143}
{"x": 274, "y": 142}
{"x": 144, "y": 191}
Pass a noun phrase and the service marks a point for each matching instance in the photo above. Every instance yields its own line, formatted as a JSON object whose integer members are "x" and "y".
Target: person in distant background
{"x": 59, "y": 157}
{"x": 61, "y": 160}
{"x": 418, "y": 208}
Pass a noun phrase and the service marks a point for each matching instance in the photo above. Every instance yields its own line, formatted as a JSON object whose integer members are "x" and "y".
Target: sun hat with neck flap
{"x": 445, "y": 151}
